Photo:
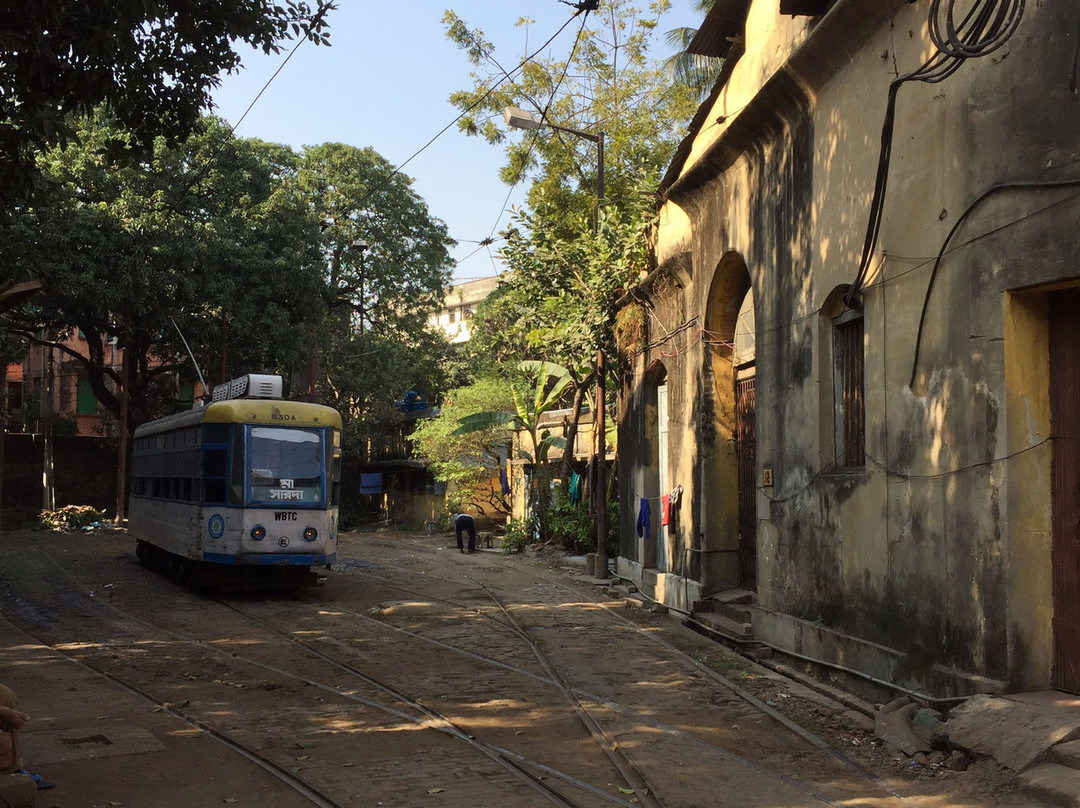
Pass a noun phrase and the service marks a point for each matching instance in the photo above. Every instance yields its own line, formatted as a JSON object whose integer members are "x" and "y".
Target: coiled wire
{"x": 986, "y": 26}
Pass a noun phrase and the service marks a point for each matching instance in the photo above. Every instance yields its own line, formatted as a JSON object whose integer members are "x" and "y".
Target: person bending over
{"x": 463, "y": 523}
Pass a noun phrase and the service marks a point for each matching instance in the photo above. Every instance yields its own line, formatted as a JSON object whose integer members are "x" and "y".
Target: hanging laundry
{"x": 665, "y": 509}
{"x": 576, "y": 485}
{"x": 673, "y": 498}
{"x": 505, "y": 482}
{"x": 644, "y": 519}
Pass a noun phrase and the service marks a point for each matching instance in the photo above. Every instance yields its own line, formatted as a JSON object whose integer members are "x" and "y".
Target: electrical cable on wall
{"x": 986, "y": 27}
{"x": 994, "y": 190}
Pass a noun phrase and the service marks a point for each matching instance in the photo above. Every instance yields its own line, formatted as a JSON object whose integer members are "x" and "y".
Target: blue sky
{"x": 384, "y": 83}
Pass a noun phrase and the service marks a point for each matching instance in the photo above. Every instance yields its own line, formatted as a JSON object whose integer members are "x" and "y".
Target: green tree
{"x": 569, "y": 254}
{"x": 211, "y": 234}
{"x": 611, "y": 84}
{"x": 153, "y": 64}
{"x": 465, "y": 462}
{"x": 547, "y": 384}
{"x": 692, "y": 70}
{"x": 387, "y": 265}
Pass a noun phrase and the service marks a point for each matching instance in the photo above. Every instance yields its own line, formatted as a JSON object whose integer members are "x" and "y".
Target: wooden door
{"x": 1064, "y": 329}
{"x": 746, "y": 449}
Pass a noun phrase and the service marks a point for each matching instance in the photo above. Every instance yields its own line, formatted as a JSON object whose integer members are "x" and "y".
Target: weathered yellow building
{"x": 885, "y": 451}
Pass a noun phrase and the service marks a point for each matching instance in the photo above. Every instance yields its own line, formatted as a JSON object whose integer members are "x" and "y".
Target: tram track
{"x": 575, "y": 696}
{"x": 406, "y": 706}
{"x": 616, "y": 707}
{"x": 741, "y": 693}
{"x": 517, "y": 765}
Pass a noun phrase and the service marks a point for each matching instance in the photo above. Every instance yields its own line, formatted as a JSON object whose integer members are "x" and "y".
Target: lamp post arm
{"x": 587, "y": 135}
{"x": 598, "y": 139}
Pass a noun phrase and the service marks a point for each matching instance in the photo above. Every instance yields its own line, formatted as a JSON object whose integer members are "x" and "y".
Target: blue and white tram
{"x": 245, "y": 489}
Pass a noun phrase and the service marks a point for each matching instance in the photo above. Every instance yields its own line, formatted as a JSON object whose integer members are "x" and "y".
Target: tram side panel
{"x": 242, "y": 489}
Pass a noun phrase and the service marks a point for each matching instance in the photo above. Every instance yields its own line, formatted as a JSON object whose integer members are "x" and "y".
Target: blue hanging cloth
{"x": 644, "y": 519}
{"x": 505, "y": 482}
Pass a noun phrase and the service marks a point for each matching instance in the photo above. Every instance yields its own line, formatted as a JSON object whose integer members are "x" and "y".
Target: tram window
{"x": 215, "y": 462}
{"x": 285, "y": 464}
{"x": 186, "y": 490}
{"x": 189, "y": 463}
{"x": 335, "y": 474}
{"x": 214, "y": 491}
{"x": 236, "y": 477}
{"x": 216, "y": 433}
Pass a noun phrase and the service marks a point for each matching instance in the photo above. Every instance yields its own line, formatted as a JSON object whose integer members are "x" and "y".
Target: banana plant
{"x": 549, "y": 383}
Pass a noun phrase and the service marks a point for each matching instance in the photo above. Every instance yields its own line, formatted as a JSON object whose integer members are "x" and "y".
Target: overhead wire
{"x": 507, "y": 76}
{"x": 923, "y": 261}
{"x": 547, "y": 106}
{"x": 232, "y": 129}
{"x": 983, "y": 197}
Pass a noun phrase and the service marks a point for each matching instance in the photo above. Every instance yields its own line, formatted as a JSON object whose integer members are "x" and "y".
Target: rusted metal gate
{"x": 746, "y": 451}
{"x": 1065, "y": 485}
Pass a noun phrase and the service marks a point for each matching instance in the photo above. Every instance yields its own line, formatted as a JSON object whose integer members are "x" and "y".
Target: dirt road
{"x": 417, "y": 676}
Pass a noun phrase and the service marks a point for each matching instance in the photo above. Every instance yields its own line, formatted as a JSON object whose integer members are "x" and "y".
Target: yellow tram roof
{"x": 248, "y": 411}
{"x": 268, "y": 411}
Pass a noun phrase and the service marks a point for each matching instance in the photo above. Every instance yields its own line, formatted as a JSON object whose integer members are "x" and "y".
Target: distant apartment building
{"x": 52, "y": 385}
{"x": 459, "y": 306}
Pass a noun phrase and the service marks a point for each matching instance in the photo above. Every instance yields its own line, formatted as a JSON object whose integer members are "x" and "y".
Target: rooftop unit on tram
{"x": 250, "y": 385}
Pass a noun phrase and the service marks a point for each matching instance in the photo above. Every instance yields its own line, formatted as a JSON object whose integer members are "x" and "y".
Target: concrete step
{"x": 726, "y": 626}
{"x": 1053, "y": 783}
{"x": 736, "y": 612}
{"x": 735, "y": 604}
{"x": 731, "y": 596}
{"x": 759, "y": 652}
{"x": 1065, "y": 754}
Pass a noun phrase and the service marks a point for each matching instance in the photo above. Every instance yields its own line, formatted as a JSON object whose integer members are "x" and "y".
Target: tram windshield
{"x": 286, "y": 465}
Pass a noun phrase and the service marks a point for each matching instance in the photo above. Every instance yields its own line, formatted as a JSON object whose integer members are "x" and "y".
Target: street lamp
{"x": 523, "y": 119}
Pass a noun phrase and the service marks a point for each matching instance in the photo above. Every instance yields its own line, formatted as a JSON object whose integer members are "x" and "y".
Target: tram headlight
{"x": 310, "y": 534}
{"x": 258, "y": 533}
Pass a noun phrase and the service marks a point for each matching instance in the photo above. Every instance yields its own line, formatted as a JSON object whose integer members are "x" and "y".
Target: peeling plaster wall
{"x": 939, "y": 548}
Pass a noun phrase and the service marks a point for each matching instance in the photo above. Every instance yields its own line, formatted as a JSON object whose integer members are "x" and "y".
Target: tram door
{"x": 1064, "y": 313}
{"x": 664, "y": 476}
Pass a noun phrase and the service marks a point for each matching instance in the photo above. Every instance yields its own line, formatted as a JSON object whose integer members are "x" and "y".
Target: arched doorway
{"x": 729, "y": 438}
{"x": 745, "y": 370}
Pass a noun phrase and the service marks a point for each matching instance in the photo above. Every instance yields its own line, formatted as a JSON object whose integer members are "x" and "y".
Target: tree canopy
{"x": 571, "y": 253}
{"x": 574, "y": 252}
{"x": 608, "y": 82}
{"x": 152, "y": 64}
{"x": 251, "y": 250}
{"x": 465, "y": 461}
{"x": 387, "y": 265}
{"x": 211, "y": 235}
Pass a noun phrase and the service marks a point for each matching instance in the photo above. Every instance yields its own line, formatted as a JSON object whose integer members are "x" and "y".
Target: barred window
{"x": 849, "y": 407}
